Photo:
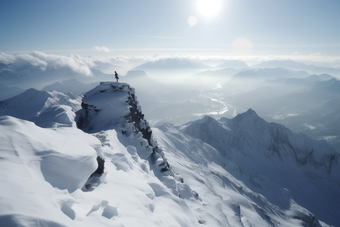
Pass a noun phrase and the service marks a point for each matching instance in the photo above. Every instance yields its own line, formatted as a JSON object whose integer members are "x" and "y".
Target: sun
{"x": 209, "y": 7}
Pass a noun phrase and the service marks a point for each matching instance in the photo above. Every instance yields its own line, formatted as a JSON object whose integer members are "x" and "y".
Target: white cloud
{"x": 21, "y": 60}
{"x": 6, "y": 58}
{"x": 76, "y": 63}
{"x": 103, "y": 49}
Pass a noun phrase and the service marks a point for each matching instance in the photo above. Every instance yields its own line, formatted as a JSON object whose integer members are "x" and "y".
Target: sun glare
{"x": 192, "y": 21}
{"x": 209, "y": 7}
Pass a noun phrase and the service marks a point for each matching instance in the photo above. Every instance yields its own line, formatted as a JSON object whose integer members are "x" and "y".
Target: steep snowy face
{"x": 270, "y": 152}
{"x": 208, "y": 130}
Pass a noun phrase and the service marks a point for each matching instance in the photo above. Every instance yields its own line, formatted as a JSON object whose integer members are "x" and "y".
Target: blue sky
{"x": 264, "y": 27}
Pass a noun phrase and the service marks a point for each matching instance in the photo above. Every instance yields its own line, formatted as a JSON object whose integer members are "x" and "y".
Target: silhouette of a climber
{"x": 116, "y": 76}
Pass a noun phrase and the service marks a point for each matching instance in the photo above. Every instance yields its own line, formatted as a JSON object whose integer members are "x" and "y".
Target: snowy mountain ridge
{"x": 272, "y": 152}
{"x": 45, "y": 108}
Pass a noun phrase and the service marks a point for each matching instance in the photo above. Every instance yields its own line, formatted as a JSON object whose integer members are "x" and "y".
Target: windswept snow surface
{"x": 40, "y": 168}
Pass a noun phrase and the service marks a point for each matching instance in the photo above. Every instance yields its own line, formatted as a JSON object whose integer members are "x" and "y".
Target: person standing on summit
{"x": 116, "y": 76}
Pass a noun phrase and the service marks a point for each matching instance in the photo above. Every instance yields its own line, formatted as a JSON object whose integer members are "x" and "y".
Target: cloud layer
{"x": 82, "y": 65}
{"x": 78, "y": 64}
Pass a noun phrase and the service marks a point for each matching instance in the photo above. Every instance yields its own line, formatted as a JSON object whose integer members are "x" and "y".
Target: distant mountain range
{"x": 251, "y": 79}
{"x": 293, "y": 65}
{"x": 287, "y": 64}
{"x": 173, "y": 64}
{"x": 309, "y": 105}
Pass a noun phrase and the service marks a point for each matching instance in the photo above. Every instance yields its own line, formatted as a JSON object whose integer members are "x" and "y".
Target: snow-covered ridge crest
{"x": 44, "y": 108}
{"x": 114, "y": 106}
{"x": 250, "y": 135}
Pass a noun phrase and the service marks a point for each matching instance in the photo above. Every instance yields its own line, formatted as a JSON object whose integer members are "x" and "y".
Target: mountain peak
{"x": 206, "y": 119}
{"x": 249, "y": 114}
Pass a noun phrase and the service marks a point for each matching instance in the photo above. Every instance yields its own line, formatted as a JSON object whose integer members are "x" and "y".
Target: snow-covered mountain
{"x": 109, "y": 168}
{"x": 229, "y": 194}
{"x": 301, "y": 104}
{"x": 270, "y": 154}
